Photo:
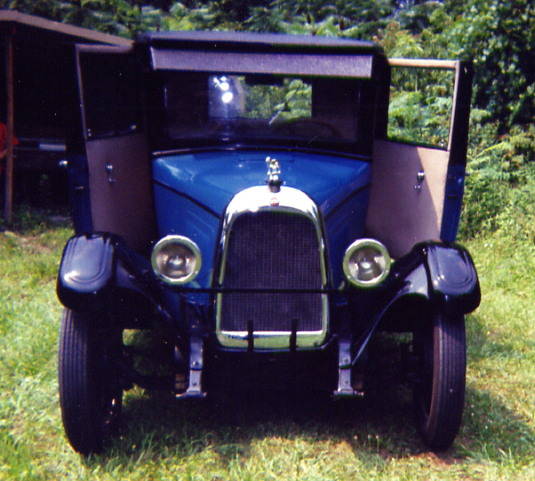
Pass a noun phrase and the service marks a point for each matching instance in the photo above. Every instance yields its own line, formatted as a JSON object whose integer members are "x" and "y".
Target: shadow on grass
{"x": 378, "y": 429}
{"x": 29, "y": 220}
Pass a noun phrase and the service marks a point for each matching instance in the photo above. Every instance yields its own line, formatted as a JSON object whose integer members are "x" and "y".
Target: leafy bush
{"x": 420, "y": 106}
{"x": 500, "y": 186}
{"x": 517, "y": 218}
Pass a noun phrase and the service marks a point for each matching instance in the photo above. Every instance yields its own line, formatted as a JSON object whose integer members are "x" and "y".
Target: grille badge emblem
{"x": 274, "y": 179}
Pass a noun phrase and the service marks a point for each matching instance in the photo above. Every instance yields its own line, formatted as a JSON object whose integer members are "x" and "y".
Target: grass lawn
{"x": 265, "y": 436}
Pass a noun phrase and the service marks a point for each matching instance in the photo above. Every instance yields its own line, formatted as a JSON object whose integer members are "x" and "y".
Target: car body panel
{"x": 192, "y": 189}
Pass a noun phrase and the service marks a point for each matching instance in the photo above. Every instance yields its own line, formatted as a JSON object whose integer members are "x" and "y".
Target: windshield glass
{"x": 231, "y": 97}
{"x": 263, "y": 108}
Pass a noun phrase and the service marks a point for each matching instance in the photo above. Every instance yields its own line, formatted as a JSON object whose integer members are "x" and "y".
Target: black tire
{"x": 440, "y": 348}
{"x": 89, "y": 388}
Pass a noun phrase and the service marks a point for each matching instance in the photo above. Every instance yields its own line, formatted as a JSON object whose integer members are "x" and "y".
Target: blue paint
{"x": 337, "y": 185}
{"x": 452, "y": 202}
{"x": 343, "y": 226}
{"x": 78, "y": 181}
{"x": 177, "y": 215}
{"x": 213, "y": 178}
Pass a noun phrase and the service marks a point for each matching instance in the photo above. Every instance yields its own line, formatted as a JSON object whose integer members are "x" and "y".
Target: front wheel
{"x": 440, "y": 348}
{"x": 89, "y": 387}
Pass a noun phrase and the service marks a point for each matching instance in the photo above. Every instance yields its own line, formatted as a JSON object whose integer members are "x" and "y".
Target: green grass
{"x": 265, "y": 436}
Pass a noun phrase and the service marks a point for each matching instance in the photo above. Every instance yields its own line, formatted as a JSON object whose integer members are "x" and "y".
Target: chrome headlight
{"x": 176, "y": 259}
{"x": 366, "y": 263}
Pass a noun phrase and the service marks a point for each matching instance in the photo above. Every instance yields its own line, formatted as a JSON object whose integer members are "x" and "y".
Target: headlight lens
{"x": 176, "y": 259}
{"x": 366, "y": 263}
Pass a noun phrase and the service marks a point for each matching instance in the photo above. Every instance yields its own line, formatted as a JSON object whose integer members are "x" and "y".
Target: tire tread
{"x": 440, "y": 427}
{"x": 75, "y": 379}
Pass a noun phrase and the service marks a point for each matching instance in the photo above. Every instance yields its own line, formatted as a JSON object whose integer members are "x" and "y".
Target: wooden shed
{"x": 38, "y": 90}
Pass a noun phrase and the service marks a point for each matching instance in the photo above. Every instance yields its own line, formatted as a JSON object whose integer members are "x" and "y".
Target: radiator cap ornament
{"x": 274, "y": 179}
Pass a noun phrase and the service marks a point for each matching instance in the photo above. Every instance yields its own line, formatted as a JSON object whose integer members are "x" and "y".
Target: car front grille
{"x": 272, "y": 250}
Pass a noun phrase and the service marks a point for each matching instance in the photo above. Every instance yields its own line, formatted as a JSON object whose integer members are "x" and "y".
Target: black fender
{"x": 432, "y": 276}
{"x": 442, "y": 274}
{"x": 87, "y": 271}
{"x": 99, "y": 273}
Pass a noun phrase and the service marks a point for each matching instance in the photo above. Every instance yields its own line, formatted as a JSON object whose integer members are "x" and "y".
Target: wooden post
{"x": 8, "y": 191}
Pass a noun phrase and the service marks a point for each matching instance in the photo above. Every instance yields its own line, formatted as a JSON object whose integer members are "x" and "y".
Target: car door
{"x": 417, "y": 183}
{"x": 112, "y": 142}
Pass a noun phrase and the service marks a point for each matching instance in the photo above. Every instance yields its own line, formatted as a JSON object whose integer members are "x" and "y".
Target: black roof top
{"x": 255, "y": 41}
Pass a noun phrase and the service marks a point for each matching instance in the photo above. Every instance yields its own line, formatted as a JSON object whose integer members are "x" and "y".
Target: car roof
{"x": 255, "y": 41}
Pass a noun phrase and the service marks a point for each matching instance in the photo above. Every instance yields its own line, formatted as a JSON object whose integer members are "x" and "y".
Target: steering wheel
{"x": 305, "y": 127}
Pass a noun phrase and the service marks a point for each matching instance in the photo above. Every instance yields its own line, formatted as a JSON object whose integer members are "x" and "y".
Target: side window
{"x": 420, "y": 107}
{"x": 111, "y": 94}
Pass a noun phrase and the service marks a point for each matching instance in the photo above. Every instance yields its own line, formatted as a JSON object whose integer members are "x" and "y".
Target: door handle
{"x": 420, "y": 177}
{"x": 108, "y": 167}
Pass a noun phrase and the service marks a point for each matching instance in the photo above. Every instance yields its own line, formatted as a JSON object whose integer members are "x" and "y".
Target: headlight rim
{"x": 360, "y": 244}
{"x": 176, "y": 239}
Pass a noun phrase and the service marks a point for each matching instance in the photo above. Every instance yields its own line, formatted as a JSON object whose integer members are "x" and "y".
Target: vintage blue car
{"x": 239, "y": 195}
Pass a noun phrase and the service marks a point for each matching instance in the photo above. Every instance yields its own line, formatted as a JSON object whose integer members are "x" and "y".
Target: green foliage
{"x": 498, "y": 35}
{"x": 420, "y": 106}
{"x": 500, "y": 187}
{"x": 120, "y": 17}
{"x": 399, "y": 42}
{"x": 181, "y": 17}
{"x": 316, "y": 17}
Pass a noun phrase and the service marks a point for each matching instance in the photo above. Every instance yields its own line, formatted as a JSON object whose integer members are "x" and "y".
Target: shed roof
{"x": 31, "y": 27}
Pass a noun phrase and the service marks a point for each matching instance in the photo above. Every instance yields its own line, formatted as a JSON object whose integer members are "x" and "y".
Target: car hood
{"x": 213, "y": 178}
